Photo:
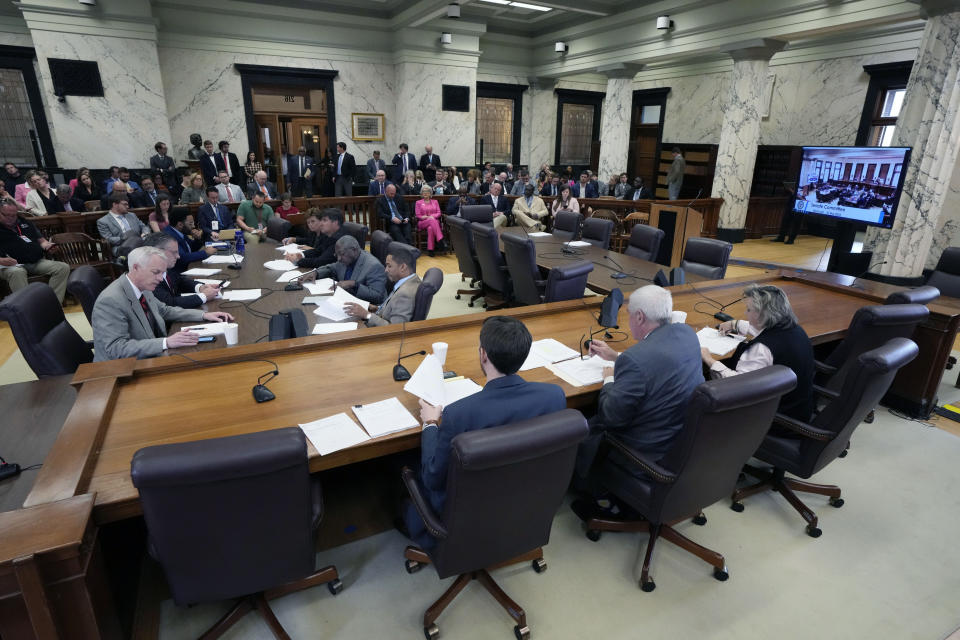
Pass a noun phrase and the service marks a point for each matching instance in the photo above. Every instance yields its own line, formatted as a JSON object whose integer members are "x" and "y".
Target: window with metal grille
{"x": 576, "y": 133}
{"x": 16, "y": 119}
{"x": 495, "y": 129}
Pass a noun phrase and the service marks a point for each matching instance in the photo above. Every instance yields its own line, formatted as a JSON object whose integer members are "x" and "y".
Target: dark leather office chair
{"x": 379, "y": 243}
{"x": 597, "y": 231}
{"x": 477, "y": 213}
{"x": 504, "y": 486}
{"x": 726, "y": 421}
{"x": 493, "y": 269}
{"x": 410, "y": 248}
{"x": 946, "y": 277}
{"x": 920, "y": 295}
{"x": 278, "y": 228}
{"x": 358, "y": 231}
{"x": 85, "y": 284}
{"x": 644, "y": 242}
{"x": 706, "y": 257}
{"x": 47, "y": 341}
{"x": 233, "y": 517}
{"x": 804, "y": 449}
{"x": 566, "y": 282}
{"x": 566, "y": 225}
{"x": 461, "y": 237}
{"x": 431, "y": 283}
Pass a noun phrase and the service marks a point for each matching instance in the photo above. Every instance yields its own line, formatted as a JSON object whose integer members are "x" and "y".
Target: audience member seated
{"x": 623, "y": 187}
{"x": 213, "y": 217}
{"x": 129, "y": 322}
{"x": 63, "y": 203}
{"x": 409, "y": 186}
{"x": 375, "y": 164}
{"x": 159, "y": 218}
{"x": 252, "y": 216}
{"x": 552, "y": 188}
{"x": 395, "y": 215}
{"x": 585, "y": 188}
{"x": 195, "y": 191}
{"x": 639, "y": 192}
{"x": 174, "y": 289}
{"x": 123, "y": 175}
{"x": 775, "y": 338}
{"x": 356, "y": 271}
{"x": 286, "y": 208}
{"x": 260, "y": 184}
{"x": 86, "y": 189}
{"x": 609, "y": 188}
{"x": 428, "y": 215}
{"x": 327, "y": 227}
{"x": 313, "y": 229}
{"x": 119, "y": 188}
{"x": 521, "y": 183}
{"x": 458, "y": 201}
{"x": 565, "y": 201}
{"x": 473, "y": 185}
{"x": 189, "y": 238}
{"x": 489, "y": 179}
{"x": 251, "y": 168}
{"x": 441, "y": 186}
{"x": 401, "y": 268}
{"x": 379, "y": 184}
{"x": 504, "y": 399}
{"x": 147, "y": 196}
{"x": 529, "y": 209}
{"x": 113, "y": 177}
{"x": 12, "y": 177}
{"x": 41, "y": 196}
{"x": 226, "y": 190}
{"x": 120, "y": 226}
{"x": 23, "y": 252}
{"x": 500, "y": 204}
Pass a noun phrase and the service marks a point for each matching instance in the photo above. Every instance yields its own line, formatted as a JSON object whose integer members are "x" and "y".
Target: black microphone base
{"x": 722, "y": 317}
{"x": 262, "y": 394}
{"x": 400, "y": 373}
{"x": 8, "y": 470}
{"x": 619, "y": 275}
{"x": 235, "y": 267}
{"x": 293, "y": 286}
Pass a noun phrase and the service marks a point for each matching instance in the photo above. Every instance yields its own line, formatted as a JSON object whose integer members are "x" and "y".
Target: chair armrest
{"x": 802, "y": 428}
{"x": 824, "y": 392}
{"x": 823, "y": 367}
{"x": 434, "y": 526}
{"x": 652, "y": 468}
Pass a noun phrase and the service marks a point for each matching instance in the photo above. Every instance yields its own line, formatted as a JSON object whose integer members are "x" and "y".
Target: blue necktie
{"x": 340, "y": 165}
{"x": 393, "y": 209}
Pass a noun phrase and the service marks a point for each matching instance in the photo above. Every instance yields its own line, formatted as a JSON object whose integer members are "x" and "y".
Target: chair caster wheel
{"x": 456, "y": 297}
{"x": 720, "y": 574}
{"x": 593, "y": 535}
{"x": 869, "y": 418}
{"x": 522, "y": 633}
{"x": 737, "y": 506}
{"x": 700, "y": 519}
{"x": 412, "y": 566}
{"x": 843, "y": 454}
{"x": 648, "y": 586}
{"x": 836, "y": 502}
{"x": 813, "y": 531}
{"x": 432, "y": 632}
{"x": 539, "y": 565}
{"x": 335, "y": 586}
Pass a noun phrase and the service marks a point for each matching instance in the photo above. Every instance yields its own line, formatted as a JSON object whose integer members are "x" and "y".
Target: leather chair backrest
{"x": 706, "y": 257}
{"x": 278, "y": 228}
{"x": 85, "y": 284}
{"x": 504, "y": 486}
{"x": 462, "y": 240}
{"x": 946, "y": 277}
{"x": 410, "y": 248}
{"x": 230, "y": 516}
{"x": 566, "y": 225}
{"x": 872, "y": 327}
{"x": 492, "y": 268}
{"x": 431, "y": 283}
{"x": 528, "y": 283}
{"x": 49, "y": 344}
{"x": 358, "y": 231}
{"x": 725, "y": 423}
{"x": 379, "y": 242}
{"x": 644, "y": 242}
{"x": 597, "y": 231}
{"x": 478, "y": 213}
{"x": 568, "y": 281}
{"x": 920, "y": 295}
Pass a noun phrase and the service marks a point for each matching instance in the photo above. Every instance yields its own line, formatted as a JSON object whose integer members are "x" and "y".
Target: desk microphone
{"x": 866, "y": 271}
{"x": 236, "y": 266}
{"x": 297, "y": 283}
{"x": 616, "y": 275}
{"x": 687, "y": 206}
{"x": 260, "y": 391}
{"x": 400, "y": 372}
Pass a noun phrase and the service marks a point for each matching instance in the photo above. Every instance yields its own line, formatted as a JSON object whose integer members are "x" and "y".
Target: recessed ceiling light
{"x": 524, "y": 5}
{"x": 496, "y": 1}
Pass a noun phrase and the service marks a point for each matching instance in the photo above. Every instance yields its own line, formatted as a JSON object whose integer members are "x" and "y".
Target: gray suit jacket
{"x": 368, "y": 273}
{"x": 111, "y": 231}
{"x": 121, "y": 329}
{"x": 373, "y": 166}
{"x": 399, "y": 307}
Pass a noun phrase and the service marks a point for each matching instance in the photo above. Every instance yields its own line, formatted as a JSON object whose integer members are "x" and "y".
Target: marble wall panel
{"x": 543, "y": 127}
{"x": 615, "y": 127}
{"x": 692, "y": 115}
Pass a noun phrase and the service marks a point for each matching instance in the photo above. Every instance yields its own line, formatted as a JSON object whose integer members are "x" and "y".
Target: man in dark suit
{"x": 301, "y": 173}
{"x": 585, "y": 188}
{"x": 396, "y": 216}
{"x": 327, "y": 226}
{"x": 375, "y": 164}
{"x": 506, "y": 398}
{"x": 379, "y": 184}
{"x": 190, "y": 247}
{"x": 344, "y": 167}
{"x": 441, "y": 186}
{"x": 163, "y": 164}
{"x": 63, "y": 202}
{"x": 429, "y": 163}
{"x": 462, "y": 199}
{"x": 551, "y": 188}
{"x": 229, "y": 162}
{"x": 402, "y": 162}
{"x": 212, "y": 212}
{"x": 502, "y": 209}
{"x": 639, "y": 191}
{"x": 208, "y": 163}
{"x": 174, "y": 289}
{"x": 147, "y": 196}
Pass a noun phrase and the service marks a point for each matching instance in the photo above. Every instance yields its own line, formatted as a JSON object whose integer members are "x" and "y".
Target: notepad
{"x": 209, "y": 329}
{"x": 581, "y": 373}
{"x": 547, "y": 351}
{"x": 238, "y": 295}
{"x": 323, "y": 328}
{"x": 717, "y": 344}
{"x": 198, "y": 271}
{"x": 279, "y": 265}
{"x": 208, "y": 281}
{"x": 334, "y": 433}
{"x": 427, "y": 383}
{"x": 290, "y": 275}
{"x": 217, "y": 259}
{"x": 386, "y": 416}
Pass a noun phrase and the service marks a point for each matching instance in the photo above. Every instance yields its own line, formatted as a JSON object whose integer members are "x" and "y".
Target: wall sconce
{"x": 561, "y": 48}
{"x": 446, "y": 38}
{"x": 664, "y": 23}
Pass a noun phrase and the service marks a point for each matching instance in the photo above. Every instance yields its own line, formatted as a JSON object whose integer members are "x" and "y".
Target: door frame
{"x": 649, "y": 98}
{"x": 22, "y": 58}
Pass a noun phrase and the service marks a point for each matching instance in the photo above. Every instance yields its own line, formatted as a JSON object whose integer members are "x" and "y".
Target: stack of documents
{"x": 218, "y": 259}
{"x": 539, "y": 234}
{"x": 427, "y": 382}
{"x": 580, "y": 373}
{"x": 208, "y": 281}
{"x": 323, "y": 286}
{"x": 279, "y": 265}
{"x": 547, "y": 351}
{"x": 332, "y": 307}
{"x": 386, "y": 416}
{"x": 322, "y": 328}
{"x": 197, "y": 271}
{"x": 334, "y": 433}
{"x": 577, "y": 243}
{"x": 237, "y": 295}
{"x": 717, "y": 344}
{"x": 290, "y": 248}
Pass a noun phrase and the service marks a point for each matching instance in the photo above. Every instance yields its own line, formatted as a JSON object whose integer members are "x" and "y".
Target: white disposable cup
{"x": 232, "y": 333}
{"x": 679, "y": 317}
{"x": 440, "y": 350}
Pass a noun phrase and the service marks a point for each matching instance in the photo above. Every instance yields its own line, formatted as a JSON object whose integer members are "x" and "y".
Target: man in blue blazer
{"x": 379, "y": 184}
{"x": 191, "y": 248}
{"x": 585, "y": 187}
{"x": 506, "y": 398}
{"x": 212, "y": 211}
{"x": 301, "y": 172}
{"x": 402, "y": 162}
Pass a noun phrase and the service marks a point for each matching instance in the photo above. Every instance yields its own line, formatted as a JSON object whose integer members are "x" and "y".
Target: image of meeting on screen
{"x": 860, "y": 184}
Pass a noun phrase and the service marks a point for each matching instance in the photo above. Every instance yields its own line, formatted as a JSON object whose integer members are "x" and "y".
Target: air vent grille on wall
{"x": 75, "y": 78}
{"x": 456, "y": 98}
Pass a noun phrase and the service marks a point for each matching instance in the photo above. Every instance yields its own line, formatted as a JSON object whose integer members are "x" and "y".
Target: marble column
{"x": 930, "y": 123}
{"x": 543, "y": 125}
{"x": 740, "y": 135}
{"x": 615, "y": 119}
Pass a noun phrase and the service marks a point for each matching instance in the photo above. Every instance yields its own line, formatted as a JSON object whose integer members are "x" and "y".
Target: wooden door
{"x": 644, "y": 145}
{"x": 268, "y": 146}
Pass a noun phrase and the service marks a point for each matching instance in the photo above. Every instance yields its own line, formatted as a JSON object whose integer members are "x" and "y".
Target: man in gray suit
{"x": 356, "y": 271}
{"x": 675, "y": 175}
{"x": 401, "y": 268}
{"x": 120, "y": 227}
{"x": 129, "y": 322}
{"x": 375, "y": 164}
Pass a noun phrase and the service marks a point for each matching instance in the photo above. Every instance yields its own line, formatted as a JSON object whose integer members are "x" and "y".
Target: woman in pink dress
{"x": 428, "y": 217}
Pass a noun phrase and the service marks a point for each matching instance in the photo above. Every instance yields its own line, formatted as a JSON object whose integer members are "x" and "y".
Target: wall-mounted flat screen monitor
{"x": 859, "y": 184}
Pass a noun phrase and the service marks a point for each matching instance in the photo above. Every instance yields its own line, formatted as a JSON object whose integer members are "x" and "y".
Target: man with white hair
{"x": 261, "y": 184}
{"x": 129, "y": 322}
{"x": 645, "y": 393}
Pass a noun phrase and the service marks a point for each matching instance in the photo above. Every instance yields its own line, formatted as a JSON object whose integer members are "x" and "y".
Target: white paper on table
{"x": 197, "y": 271}
{"x": 344, "y": 296}
{"x": 217, "y": 282}
{"x": 323, "y": 328}
{"x": 577, "y": 243}
{"x": 279, "y": 265}
{"x": 717, "y": 344}
{"x": 334, "y": 433}
{"x": 386, "y": 416}
{"x": 287, "y": 276}
{"x": 427, "y": 382}
{"x": 539, "y": 234}
{"x": 237, "y": 295}
{"x": 290, "y": 248}
{"x": 210, "y": 329}
{"x": 460, "y": 389}
{"x": 217, "y": 259}
{"x": 331, "y": 309}
{"x": 218, "y": 245}
{"x": 322, "y": 287}
{"x": 579, "y": 372}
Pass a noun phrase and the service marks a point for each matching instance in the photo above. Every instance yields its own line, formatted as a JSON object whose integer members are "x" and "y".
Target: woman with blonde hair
{"x": 428, "y": 217}
{"x": 194, "y": 191}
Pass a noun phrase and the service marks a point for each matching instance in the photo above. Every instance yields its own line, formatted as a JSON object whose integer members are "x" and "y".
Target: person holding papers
{"x": 645, "y": 393}
{"x": 326, "y": 229}
{"x": 777, "y": 338}
{"x": 175, "y": 289}
{"x": 401, "y": 268}
{"x": 356, "y": 271}
{"x": 506, "y": 398}
{"x": 252, "y": 217}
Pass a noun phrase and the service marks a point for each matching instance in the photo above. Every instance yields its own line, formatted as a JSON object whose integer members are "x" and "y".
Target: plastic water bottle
{"x": 240, "y": 246}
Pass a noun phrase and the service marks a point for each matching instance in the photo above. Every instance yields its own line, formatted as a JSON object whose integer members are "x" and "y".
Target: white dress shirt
{"x": 756, "y": 356}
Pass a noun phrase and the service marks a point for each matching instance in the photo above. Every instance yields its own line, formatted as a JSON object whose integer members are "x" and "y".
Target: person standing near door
{"x": 301, "y": 173}
{"x": 344, "y": 167}
{"x": 227, "y": 161}
{"x": 675, "y": 175}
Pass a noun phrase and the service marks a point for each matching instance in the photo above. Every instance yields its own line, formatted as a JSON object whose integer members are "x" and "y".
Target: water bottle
{"x": 240, "y": 246}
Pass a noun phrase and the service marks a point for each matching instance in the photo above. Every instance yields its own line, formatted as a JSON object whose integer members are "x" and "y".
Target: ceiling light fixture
{"x": 664, "y": 22}
{"x": 535, "y": 7}
{"x": 503, "y": 2}
{"x": 446, "y": 38}
{"x": 453, "y": 10}
{"x": 560, "y": 47}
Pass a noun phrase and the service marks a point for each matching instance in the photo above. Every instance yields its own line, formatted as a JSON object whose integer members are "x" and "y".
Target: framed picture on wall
{"x": 368, "y": 126}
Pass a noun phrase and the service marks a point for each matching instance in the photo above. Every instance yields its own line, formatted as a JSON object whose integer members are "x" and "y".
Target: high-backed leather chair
{"x": 233, "y": 517}
{"x": 597, "y": 231}
{"x": 804, "y": 449}
{"x": 278, "y": 228}
{"x": 504, "y": 486}
{"x": 493, "y": 269}
{"x": 379, "y": 242}
{"x": 85, "y": 284}
{"x": 946, "y": 277}
{"x": 566, "y": 282}
{"x": 706, "y": 257}
{"x": 644, "y": 242}
{"x": 410, "y": 248}
{"x": 920, "y": 295}
{"x": 431, "y": 283}
{"x": 726, "y": 421}
{"x": 566, "y": 225}
{"x": 461, "y": 237}
{"x": 47, "y": 341}
{"x": 358, "y": 231}
{"x": 477, "y": 213}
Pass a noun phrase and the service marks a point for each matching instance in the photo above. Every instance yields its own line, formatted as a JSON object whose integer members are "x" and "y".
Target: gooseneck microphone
{"x": 297, "y": 283}
{"x": 616, "y": 275}
{"x": 867, "y": 270}
{"x": 400, "y": 372}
